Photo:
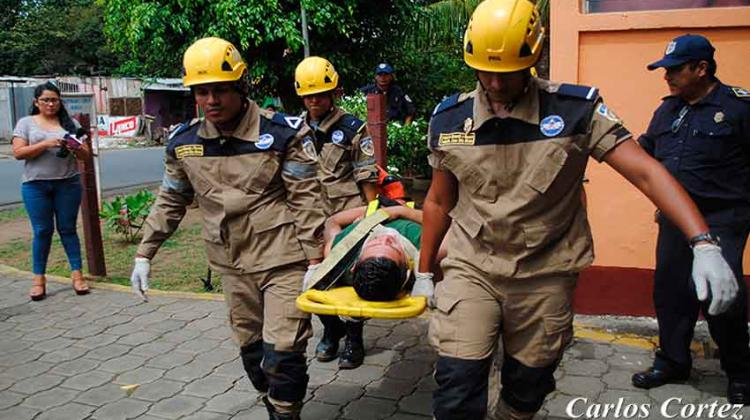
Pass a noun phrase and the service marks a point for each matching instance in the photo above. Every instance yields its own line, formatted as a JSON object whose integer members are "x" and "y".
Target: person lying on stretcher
{"x": 379, "y": 268}
{"x": 382, "y": 266}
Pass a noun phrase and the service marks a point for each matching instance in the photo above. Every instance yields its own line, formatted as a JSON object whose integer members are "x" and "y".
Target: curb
{"x": 7, "y": 270}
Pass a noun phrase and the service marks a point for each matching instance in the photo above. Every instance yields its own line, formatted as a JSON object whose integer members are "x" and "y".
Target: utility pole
{"x": 305, "y": 37}
{"x": 377, "y": 119}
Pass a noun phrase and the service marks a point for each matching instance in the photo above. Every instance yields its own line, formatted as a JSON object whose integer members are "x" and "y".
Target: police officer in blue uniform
{"x": 701, "y": 134}
{"x": 400, "y": 106}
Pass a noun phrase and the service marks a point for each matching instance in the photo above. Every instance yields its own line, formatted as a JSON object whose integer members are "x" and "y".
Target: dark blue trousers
{"x": 677, "y": 305}
{"x": 50, "y": 203}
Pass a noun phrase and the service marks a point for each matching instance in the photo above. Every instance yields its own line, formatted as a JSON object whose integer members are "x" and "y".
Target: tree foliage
{"x": 52, "y": 37}
{"x": 152, "y": 35}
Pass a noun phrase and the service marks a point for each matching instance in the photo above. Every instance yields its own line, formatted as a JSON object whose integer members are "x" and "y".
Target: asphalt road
{"x": 120, "y": 168}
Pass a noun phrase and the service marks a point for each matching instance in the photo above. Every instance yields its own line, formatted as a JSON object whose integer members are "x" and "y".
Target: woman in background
{"x": 51, "y": 186}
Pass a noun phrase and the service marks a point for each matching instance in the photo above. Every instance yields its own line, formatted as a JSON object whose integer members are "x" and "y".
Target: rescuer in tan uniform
{"x": 347, "y": 175}
{"x": 254, "y": 182}
{"x": 508, "y": 160}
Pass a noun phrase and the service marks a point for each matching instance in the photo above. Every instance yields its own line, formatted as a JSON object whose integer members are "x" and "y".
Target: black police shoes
{"x": 738, "y": 392}
{"x": 653, "y": 377}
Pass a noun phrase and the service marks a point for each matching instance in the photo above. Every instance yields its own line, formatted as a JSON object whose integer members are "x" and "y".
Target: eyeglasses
{"x": 677, "y": 123}
{"x": 49, "y": 101}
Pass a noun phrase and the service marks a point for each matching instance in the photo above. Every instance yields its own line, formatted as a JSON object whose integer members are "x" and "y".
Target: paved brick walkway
{"x": 78, "y": 357}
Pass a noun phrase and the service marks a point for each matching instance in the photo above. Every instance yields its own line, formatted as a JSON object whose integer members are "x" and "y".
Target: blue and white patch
{"x": 293, "y": 122}
{"x": 264, "y": 141}
{"x": 367, "y": 146}
{"x": 337, "y": 137}
{"x": 552, "y": 125}
{"x": 607, "y": 113}
{"x": 308, "y": 146}
{"x": 670, "y": 48}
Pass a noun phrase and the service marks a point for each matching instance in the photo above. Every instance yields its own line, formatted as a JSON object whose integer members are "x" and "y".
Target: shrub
{"x": 407, "y": 143}
{"x": 125, "y": 215}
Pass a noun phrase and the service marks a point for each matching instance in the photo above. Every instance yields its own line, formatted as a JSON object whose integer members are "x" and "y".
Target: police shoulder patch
{"x": 741, "y": 92}
{"x": 588, "y": 93}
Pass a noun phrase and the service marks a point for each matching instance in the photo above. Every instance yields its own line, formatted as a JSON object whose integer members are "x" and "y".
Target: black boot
{"x": 354, "y": 347}
{"x": 333, "y": 330}
{"x": 275, "y": 415}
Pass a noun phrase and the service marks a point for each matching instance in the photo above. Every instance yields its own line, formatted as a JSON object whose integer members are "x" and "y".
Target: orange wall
{"x": 611, "y": 51}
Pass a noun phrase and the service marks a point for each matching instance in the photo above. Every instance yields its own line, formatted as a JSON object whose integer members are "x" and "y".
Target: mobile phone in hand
{"x": 72, "y": 142}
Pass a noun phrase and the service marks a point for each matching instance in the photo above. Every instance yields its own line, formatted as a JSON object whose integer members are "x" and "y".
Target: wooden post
{"x": 92, "y": 232}
{"x": 377, "y": 119}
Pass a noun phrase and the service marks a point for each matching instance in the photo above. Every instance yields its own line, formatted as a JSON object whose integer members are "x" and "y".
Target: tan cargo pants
{"x": 262, "y": 306}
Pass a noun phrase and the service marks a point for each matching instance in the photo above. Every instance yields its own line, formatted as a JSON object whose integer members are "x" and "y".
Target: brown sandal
{"x": 79, "y": 283}
{"x": 38, "y": 288}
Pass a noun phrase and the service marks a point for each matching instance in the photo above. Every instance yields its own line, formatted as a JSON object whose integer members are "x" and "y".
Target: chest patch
{"x": 337, "y": 137}
{"x": 740, "y": 92}
{"x": 188, "y": 150}
{"x": 264, "y": 141}
{"x": 552, "y": 125}
{"x": 459, "y": 139}
{"x": 718, "y": 117}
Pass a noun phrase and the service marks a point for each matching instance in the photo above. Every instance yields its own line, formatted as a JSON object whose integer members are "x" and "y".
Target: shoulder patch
{"x": 588, "y": 93}
{"x": 447, "y": 103}
{"x": 741, "y": 92}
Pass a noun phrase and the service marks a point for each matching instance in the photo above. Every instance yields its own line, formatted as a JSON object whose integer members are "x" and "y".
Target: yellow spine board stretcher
{"x": 344, "y": 301}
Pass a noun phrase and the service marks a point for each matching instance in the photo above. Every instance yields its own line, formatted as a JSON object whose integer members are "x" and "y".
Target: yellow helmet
{"x": 212, "y": 60}
{"x": 503, "y": 36}
{"x": 315, "y": 75}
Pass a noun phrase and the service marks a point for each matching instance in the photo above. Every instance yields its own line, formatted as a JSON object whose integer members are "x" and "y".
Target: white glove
{"x": 423, "y": 286}
{"x": 311, "y": 269}
{"x": 711, "y": 269}
{"x": 139, "y": 278}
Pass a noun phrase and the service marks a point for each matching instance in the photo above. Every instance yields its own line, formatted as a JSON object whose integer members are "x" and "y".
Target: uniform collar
{"x": 713, "y": 97}
{"x": 333, "y": 116}
{"x": 248, "y": 129}
{"x": 525, "y": 109}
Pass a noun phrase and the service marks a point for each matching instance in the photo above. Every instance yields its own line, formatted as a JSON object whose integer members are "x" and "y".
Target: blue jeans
{"x": 47, "y": 202}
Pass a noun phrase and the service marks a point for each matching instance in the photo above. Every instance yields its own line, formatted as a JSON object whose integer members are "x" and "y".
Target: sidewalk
{"x": 108, "y": 356}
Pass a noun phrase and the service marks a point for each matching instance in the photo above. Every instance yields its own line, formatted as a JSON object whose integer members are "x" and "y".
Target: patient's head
{"x": 381, "y": 268}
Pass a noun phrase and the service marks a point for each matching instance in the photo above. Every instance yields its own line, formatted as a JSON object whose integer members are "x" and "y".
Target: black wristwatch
{"x": 706, "y": 236}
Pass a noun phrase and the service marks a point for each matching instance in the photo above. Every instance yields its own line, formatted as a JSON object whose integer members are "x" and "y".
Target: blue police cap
{"x": 685, "y": 48}
{"x": 383, "y": 68}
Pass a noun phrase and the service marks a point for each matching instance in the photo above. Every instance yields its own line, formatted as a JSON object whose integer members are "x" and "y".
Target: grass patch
{"x": 13, "y": 214}
{"x": 178, "y": 266}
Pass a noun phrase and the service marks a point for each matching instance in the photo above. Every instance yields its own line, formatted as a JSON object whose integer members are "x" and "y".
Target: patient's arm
{"x": 403, "y": 212}
{"x": 337, "y": 222}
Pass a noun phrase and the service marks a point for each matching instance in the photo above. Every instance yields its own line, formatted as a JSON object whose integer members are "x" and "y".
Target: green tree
{"x": 152, "y": 35}
{"x": 53, "y": 37}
